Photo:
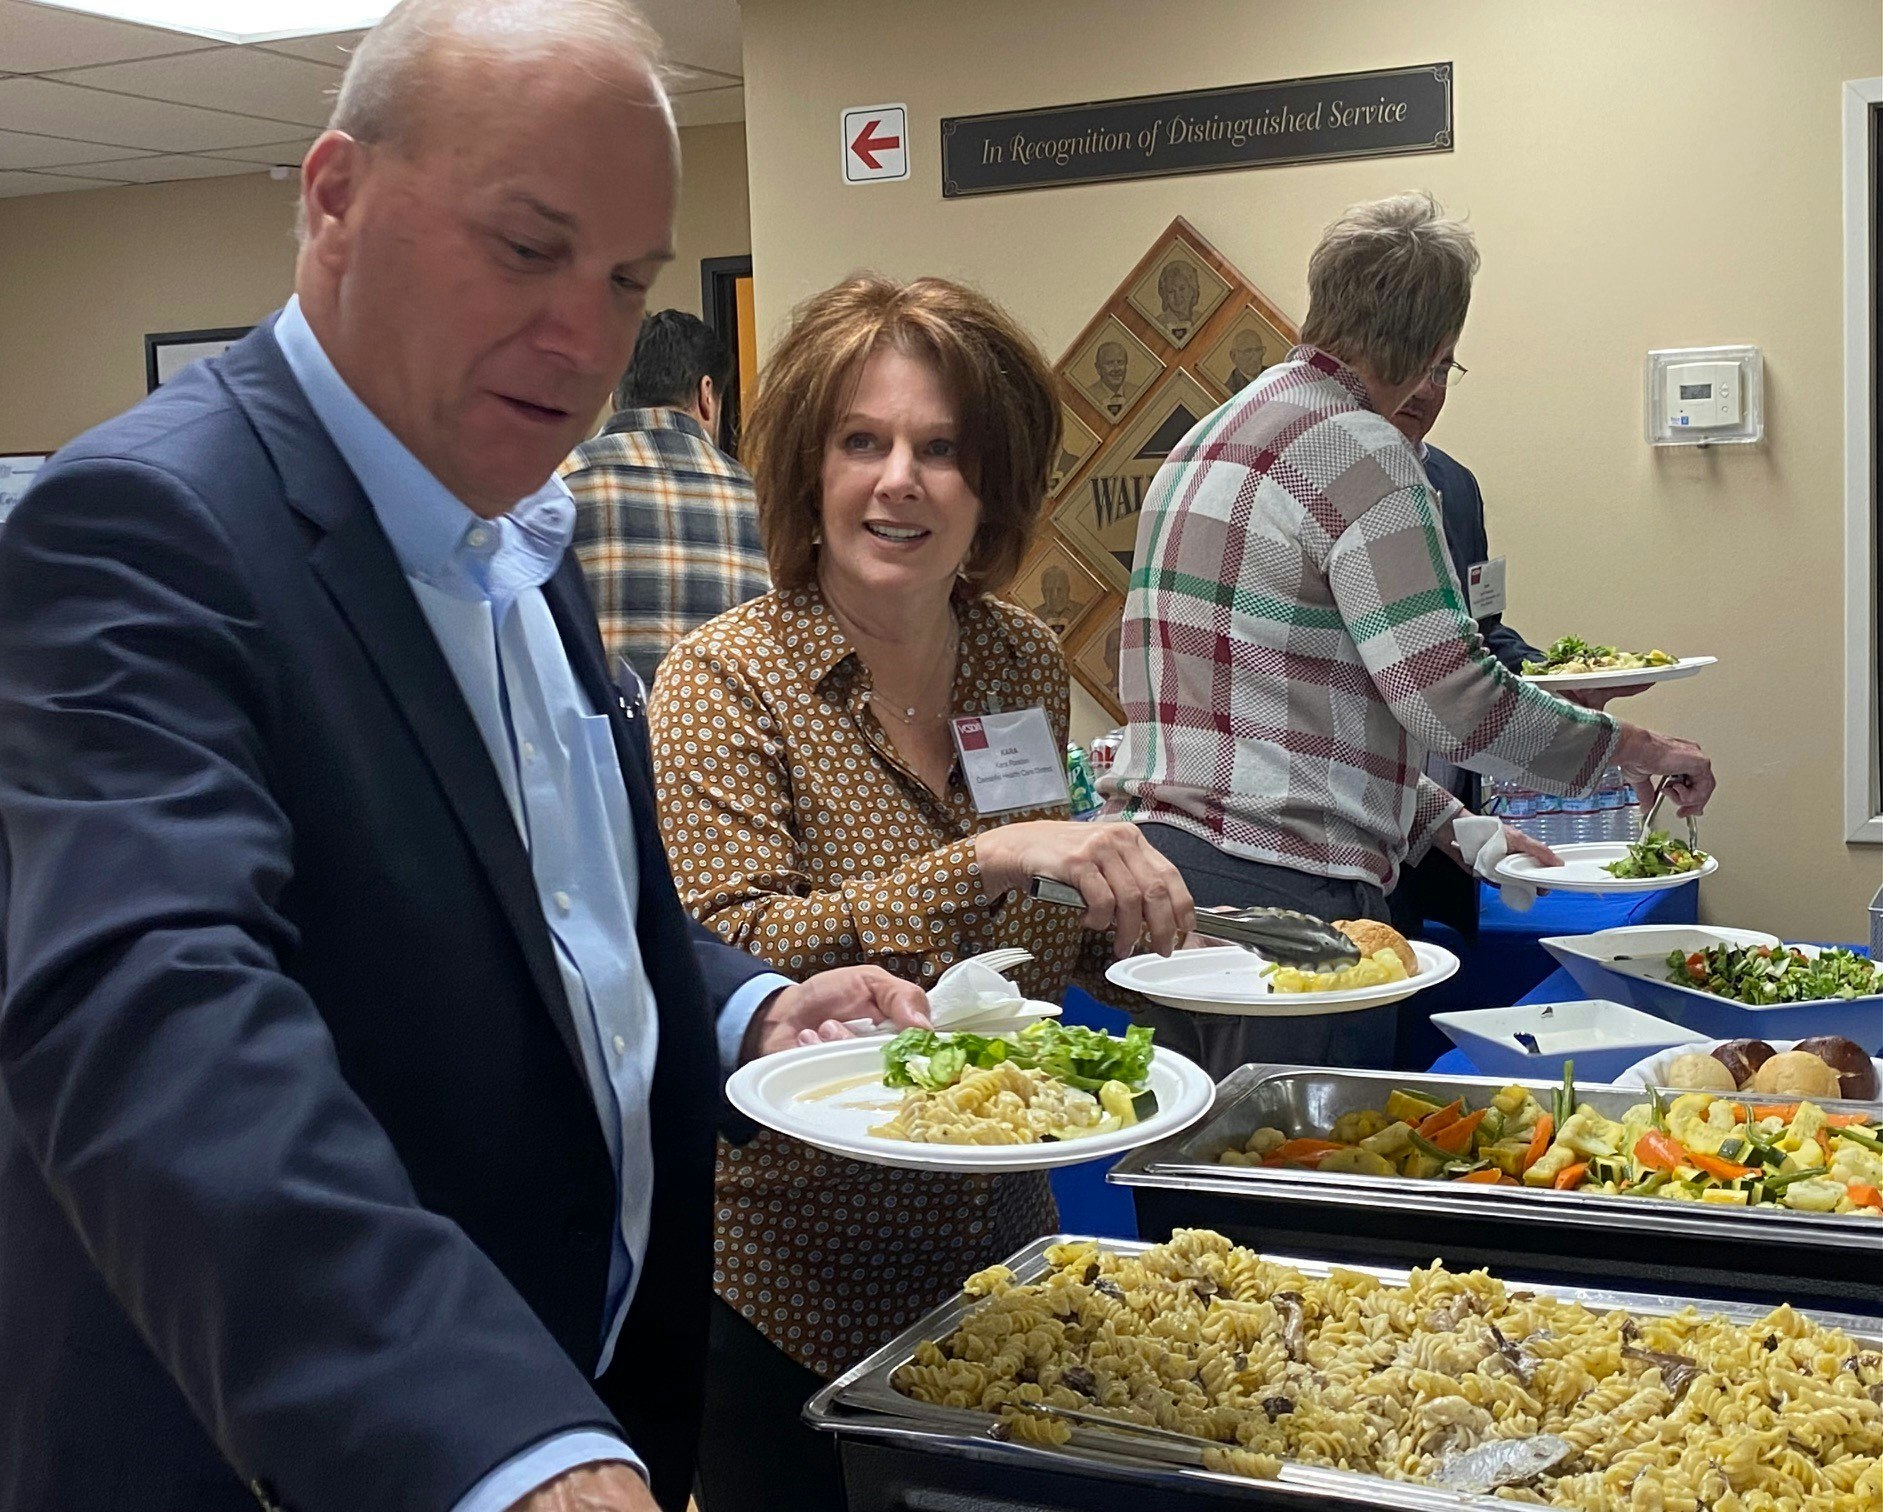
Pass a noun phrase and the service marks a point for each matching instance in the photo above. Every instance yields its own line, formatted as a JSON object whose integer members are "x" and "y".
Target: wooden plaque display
{"x": 1183, "y": 332}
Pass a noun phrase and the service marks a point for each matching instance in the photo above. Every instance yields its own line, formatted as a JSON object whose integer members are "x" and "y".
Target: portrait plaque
{"x": 1055, "y": 586}
{"x": 1178, "y": 293}
{"x": 1244, "y": 352}
{"x": 1076, "y": 443}
{"x": 1113, "y": 370}
{"x": 1093, "y": 656}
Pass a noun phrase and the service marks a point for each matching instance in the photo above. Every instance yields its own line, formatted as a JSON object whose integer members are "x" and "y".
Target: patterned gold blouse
{"x": 796, "y": 831}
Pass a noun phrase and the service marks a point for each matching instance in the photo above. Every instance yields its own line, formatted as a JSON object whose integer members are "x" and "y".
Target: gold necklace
{"x": 910, "y": 714}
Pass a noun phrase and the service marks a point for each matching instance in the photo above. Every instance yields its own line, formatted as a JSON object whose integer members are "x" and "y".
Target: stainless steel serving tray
{"x": 863, "y": 1404}
{"x": 1306, "y": 1100}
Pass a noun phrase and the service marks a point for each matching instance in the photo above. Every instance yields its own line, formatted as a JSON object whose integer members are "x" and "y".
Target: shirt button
{"x": 561, "y": 901}
{"x": 529, "y": 751}
{"x": 621, "y": 1045}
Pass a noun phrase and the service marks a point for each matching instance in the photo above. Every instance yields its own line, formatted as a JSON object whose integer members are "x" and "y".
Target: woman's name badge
{"x": 1011, "y": 760}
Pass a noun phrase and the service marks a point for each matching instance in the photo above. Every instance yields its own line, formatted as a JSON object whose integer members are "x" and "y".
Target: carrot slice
{"x": 1447, "y": 1115}
{"x": 1861, "y": 1193}
{"x": 1716, "y": 1165}
{"x": 1540, "y": 1140}
{"x": 1570, "y": 1177}
{"x": 1455, "y": 1139}
{"x": 1846, "y": 1120}
{"x": 1489, "y": 1176}
{"x": 1302, "y": 1152}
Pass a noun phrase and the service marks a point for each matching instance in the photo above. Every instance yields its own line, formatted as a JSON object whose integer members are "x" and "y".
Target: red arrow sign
{"x": 866, "y": 145}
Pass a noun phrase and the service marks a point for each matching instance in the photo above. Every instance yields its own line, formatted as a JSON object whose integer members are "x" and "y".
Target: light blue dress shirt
{"x": 479, "y": 583}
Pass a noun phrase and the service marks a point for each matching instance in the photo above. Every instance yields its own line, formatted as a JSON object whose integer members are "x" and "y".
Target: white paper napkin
{"x": 974, "y": 997}
{"x": 1480, "y": 840}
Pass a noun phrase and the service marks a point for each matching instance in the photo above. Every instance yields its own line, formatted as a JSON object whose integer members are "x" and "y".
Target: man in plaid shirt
{"x": 666, "y": 526}
{"x": 1295, "y": 640}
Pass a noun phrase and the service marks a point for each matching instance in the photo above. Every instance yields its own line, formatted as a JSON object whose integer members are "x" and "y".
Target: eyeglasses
{"x": 1448, "y": 374}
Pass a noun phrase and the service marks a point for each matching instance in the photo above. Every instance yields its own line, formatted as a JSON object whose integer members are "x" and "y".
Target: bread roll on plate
{"x": 1370, "y": 936}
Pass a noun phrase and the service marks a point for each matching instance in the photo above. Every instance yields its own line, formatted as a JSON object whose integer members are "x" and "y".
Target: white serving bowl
{"x": 1641, "y": 983}
{"x": 1603, "y": 1039}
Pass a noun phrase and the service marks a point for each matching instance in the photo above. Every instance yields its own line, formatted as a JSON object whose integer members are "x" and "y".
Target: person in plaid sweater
{"x": 1296, "y": 643}
{"x": 666, "y": 527}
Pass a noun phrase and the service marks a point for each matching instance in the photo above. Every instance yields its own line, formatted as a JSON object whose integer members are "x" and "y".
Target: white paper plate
{"x": 1230, "y": 980}
{"x": 782, "y": 1092}
{"x": 1652, "y": 1072}
{"x": 1687, "y": 666}
{"x": 1582, "y": 871}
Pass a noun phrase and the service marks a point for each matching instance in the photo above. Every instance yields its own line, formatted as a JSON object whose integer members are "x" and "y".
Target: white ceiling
{"x": 86, "y": 102}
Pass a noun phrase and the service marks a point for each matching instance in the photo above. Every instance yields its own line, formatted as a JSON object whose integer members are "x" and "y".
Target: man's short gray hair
{"x": 1389, "y": 285}
{"x": 386, "y": 88}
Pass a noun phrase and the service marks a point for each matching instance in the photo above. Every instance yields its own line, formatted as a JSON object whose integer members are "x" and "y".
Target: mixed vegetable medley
{"x": 1762, "y": 975}
{"x": 1698, "y": 1148}
{"x": 1572, "y": 654}
{"x": 1656, "y": 855}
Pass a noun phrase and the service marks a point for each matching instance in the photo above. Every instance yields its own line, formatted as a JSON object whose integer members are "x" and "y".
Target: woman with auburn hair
{"x": 815, "y": 813}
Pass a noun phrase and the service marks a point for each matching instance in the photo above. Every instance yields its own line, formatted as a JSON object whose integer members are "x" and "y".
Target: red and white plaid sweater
{"x": 1295, "y": 643}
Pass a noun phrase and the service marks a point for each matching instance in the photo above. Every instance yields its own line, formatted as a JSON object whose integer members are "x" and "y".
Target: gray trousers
{"x": 1220, "y": 1043}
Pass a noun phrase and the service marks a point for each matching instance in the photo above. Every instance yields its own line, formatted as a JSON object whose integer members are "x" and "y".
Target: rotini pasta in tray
{"x": 1430, "y": 1381}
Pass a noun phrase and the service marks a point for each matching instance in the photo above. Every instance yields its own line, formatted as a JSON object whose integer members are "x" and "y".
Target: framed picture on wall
{"x": 167, "y": 353}
{"x": 1250, "y": 345}
{"x": 1093, "y": 655}
{"x": 1113, "y": 369}
{"x": 1055, "y": 586}
{"x": 17, "y": 471}
{"x": 1178, "y": 292}
{"x": 1076, "y": 443}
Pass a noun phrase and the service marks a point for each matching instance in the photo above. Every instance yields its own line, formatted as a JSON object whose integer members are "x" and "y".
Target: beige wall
{"x": 84, "y": 275}
{"x": 1641, "y": 173}
{"x": 715, "y": 216}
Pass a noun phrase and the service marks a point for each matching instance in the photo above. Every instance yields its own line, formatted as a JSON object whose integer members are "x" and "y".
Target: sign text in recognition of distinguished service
{"x": 1387, "y": 111}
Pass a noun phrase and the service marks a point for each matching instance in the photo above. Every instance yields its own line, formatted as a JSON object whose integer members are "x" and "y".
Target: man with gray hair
{"x": 359, "y": 1068}
{"x": 1295, "y": 643}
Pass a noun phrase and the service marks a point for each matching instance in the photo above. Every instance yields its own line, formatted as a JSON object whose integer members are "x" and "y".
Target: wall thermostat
{"x": 1705, "y": 396}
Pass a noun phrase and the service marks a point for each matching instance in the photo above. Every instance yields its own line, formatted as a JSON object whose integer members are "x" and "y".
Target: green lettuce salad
{"x": 1070, "y": 1053}
{"x": 1656, "y": 855}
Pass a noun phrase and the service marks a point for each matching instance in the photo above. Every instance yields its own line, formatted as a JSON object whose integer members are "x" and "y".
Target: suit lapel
{"x": 359, "y": 570}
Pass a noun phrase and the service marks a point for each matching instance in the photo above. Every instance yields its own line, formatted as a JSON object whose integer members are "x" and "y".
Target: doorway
{"x": 726, "y": 300}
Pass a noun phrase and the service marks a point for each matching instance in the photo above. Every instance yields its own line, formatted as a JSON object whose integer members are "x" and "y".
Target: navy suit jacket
{"x": 1436, "y": 888}
{"x": 299, "y": 1171}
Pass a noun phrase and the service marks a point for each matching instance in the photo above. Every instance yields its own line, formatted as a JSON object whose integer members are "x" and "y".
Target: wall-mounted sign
{"x": 875, "y": 144}
{"x": 1388, "y": 111}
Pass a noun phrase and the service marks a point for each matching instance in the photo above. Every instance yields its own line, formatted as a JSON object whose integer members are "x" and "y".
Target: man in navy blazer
{"x": 359, "y": 1069}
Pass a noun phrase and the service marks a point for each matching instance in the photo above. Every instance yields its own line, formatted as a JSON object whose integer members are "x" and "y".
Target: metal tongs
{"x": 1281, "y": 935}
{"x": 1647, "y": 821}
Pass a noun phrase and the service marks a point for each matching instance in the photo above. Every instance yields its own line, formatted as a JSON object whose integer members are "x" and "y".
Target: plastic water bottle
{"x": 1608, "y": 813}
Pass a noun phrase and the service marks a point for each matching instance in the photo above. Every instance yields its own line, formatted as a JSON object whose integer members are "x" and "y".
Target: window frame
{"x": 1863, "y": 387}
